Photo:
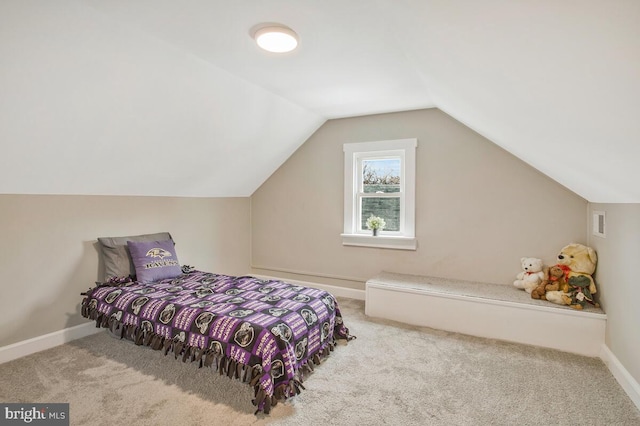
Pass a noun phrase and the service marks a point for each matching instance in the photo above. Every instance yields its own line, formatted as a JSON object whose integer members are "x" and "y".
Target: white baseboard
{"x": 47, "y": 341}
{"x": 626, "y": 381}
{"x": 350, "y": 293}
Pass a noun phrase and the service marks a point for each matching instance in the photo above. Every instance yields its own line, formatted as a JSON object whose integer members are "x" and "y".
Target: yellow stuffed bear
{"x": 581, "y": 260}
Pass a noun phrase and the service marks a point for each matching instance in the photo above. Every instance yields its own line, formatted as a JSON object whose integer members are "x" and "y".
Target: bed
{"x": 267, "y": 333}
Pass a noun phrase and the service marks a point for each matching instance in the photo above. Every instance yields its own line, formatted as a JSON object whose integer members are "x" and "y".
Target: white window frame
{"x": 354, "y": 153}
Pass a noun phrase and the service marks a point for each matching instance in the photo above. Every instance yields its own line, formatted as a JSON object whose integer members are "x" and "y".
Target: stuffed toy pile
{"x": 569, "y": 282}
{"x": 578, "y": 263}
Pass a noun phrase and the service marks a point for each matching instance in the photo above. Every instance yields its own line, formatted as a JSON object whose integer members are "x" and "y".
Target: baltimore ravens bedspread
{"x": 263, "y": 332}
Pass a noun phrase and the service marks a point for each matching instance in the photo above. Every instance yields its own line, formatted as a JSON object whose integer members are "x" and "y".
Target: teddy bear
{"x": 581, "y": 263}
{"x": 532, "y": 274}
{"x": 539, "y": 291}
{"x": 555, "y": 281}
{"x": 557, "y": 278}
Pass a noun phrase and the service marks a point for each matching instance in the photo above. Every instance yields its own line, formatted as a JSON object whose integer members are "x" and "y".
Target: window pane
{"x": 386, "y": 208}
{"x": 381, "y": 175}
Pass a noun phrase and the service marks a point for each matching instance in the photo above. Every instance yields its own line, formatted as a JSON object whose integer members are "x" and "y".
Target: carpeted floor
{"x": 392, "y": 374}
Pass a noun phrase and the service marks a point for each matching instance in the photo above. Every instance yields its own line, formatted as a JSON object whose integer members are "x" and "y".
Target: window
{"x": 380, "y": 181}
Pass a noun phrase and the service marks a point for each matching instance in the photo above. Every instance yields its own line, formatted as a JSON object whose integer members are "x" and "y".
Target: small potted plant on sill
{"x": 374, "y": 223}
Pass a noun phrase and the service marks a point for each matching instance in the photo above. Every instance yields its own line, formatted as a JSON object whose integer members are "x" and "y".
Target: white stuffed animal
{"x": 532, "y": 274}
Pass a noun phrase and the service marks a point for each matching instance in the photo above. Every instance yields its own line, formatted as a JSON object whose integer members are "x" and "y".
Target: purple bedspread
{"x": 263, "y": 332}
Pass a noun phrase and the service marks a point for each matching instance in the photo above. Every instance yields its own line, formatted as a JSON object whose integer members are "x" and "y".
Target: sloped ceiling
{"x": 158, "y": 97}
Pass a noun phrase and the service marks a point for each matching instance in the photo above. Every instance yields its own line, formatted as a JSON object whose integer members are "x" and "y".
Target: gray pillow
{"x": 116, "y": 256}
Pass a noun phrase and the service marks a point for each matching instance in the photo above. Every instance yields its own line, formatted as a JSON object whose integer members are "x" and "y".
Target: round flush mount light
{"x": 276, "y": 38}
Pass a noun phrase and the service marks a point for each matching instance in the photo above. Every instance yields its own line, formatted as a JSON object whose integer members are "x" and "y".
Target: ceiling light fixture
{"x": 276, "y": 38}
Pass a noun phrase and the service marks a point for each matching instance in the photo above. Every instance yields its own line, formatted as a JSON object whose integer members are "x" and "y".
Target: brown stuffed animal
{"x": 539, "y": 292}
{"x": 555, "y": 279}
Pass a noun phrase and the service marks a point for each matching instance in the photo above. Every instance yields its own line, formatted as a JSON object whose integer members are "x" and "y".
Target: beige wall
{"x": 478, "y": 208}
{"x": 48, "y": 248}
{"x": 617, "y": 281}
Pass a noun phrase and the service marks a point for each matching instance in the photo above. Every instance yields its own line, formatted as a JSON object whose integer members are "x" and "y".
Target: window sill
{"x": 382, "y": 241}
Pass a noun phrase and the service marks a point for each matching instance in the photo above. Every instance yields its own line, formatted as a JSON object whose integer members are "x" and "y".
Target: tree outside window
{"x": 380, "y": 195}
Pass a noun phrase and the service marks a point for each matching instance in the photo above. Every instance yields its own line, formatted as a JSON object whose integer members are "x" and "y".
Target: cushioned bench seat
{"x": 496, "y": 311}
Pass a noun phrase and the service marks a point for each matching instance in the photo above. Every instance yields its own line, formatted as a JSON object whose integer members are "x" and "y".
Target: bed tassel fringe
{"x": 207, "y": 358}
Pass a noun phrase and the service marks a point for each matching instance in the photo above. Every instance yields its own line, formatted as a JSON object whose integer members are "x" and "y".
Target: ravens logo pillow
{"x": 154, "y": 260}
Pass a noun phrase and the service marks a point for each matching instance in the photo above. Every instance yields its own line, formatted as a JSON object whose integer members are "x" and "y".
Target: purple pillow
{"x": 154, "y": 260}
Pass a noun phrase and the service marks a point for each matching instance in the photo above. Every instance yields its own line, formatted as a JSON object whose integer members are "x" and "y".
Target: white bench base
{"x": 509, "y": 315}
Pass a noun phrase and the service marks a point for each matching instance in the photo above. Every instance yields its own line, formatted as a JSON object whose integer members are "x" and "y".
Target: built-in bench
{"x": 495, "y": 311}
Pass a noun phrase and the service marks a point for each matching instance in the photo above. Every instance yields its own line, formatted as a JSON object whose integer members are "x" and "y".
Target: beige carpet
{"x": 391, "y": 374}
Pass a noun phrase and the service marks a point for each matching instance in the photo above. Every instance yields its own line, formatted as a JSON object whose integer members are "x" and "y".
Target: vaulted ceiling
{"x": 159, "y": 97}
